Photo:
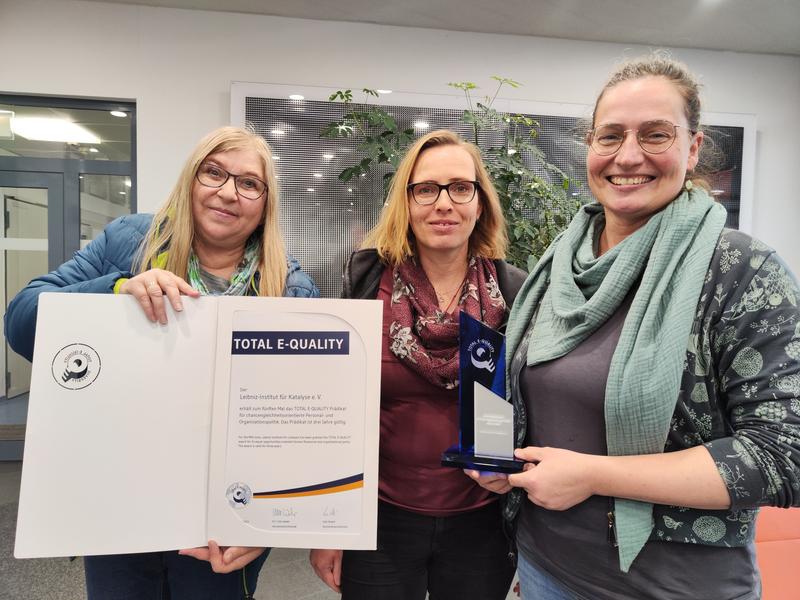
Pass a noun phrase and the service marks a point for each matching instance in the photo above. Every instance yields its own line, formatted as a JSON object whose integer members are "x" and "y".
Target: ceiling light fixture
{"x": 278, "y": 132}
{"x": 42, "y": 129}
{"x": 318, "y": 175}
{"x": 384, "y": 91}
{"x": 296, "y": 97}
{"x": 119, "y": 113}
{"x": 327, "y": 156}
{"x": 309, "y": 189}
{"x": 421, "y": 125}
{"x": 93, "y": 150}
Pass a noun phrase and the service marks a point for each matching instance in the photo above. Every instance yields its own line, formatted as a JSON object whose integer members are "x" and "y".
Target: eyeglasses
{"x": 426, "y": 193}
{"x": 214, "y": 176}
{"x": 654, "y": 137}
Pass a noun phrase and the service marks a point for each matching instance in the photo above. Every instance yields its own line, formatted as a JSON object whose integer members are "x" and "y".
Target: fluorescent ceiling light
{"x": 127, "y": 183}
{"x": 384, "y": 91}
{"x": 296, "y": 97}
{"x": 52, "y": 130}
{"x": 93, "y": 150}
{"x": 309, "y": 189}
{"x": 421, "y": 125}
{"x": 275, "y": 157}
{"x": 327, "y": 156}
{"x": 5, "y": 124}
{"x": 318, "y": 175}
{"x": 278, "y": 132}
{"x": 119, "y": 113}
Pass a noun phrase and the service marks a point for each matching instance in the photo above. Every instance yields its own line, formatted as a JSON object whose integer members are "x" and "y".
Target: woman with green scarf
{"x": 655, "y": 371}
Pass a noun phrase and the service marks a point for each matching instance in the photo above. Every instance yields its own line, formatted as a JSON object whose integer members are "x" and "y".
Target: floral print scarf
{"x": 423, "y": 336}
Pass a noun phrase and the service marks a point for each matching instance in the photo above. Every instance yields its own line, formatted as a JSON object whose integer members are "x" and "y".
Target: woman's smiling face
{"x": 633, "y": 184}
{"x": 443, "y": 226}
{"x": 222, "y": 217}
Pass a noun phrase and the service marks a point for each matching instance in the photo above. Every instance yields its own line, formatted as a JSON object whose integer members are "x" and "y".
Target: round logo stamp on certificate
{"x": 239, "y": 495}
{"x": 76, "y": 366}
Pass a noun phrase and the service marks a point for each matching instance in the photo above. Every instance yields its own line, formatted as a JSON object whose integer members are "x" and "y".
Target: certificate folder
{"x": 250, "y": 421}
{"x": 486, "y": 419}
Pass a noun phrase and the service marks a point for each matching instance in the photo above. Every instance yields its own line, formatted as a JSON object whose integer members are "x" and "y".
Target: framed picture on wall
{"x": 325, "y": 218}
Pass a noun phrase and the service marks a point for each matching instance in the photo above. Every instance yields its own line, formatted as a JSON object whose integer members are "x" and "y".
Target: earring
{"x": 688, "y": 185}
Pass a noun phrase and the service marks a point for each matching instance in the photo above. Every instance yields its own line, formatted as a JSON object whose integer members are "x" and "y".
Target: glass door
{"x": 31, "y": 244}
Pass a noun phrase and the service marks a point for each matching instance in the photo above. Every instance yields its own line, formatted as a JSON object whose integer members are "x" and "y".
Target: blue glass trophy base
{"x": 454, "y": 457}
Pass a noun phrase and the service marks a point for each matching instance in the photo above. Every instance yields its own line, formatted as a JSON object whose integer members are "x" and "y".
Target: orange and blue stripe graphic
{"x": 329, "y": 487}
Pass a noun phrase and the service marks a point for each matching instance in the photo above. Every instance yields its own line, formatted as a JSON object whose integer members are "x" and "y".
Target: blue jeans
{"x": 165, "y": 576}
{"x": 462, "y": 557}
{"x": 537, "y": 584}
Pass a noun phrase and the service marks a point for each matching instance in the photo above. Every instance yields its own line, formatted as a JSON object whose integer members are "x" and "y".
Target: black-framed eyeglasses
{"x": 654, "y": 137}
{"x": 427, "y": 192}
{"x": 214, "y": 176}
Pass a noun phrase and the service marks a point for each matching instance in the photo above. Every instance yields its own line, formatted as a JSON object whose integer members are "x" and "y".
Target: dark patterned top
{"x": 739, "y": 396}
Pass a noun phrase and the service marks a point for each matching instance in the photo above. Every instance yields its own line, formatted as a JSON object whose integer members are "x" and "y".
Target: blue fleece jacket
{"x": 95, "y": 269}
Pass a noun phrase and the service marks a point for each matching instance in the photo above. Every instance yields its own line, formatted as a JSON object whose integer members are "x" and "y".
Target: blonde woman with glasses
{"x": 437, "y": 250}
{"x": 217, "y": 234}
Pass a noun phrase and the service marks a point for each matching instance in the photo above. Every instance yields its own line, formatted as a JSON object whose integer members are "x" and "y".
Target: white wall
{"x": 178, "y": 65}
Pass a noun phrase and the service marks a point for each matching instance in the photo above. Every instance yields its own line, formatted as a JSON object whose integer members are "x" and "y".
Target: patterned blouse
{"x": 739, "y": 396}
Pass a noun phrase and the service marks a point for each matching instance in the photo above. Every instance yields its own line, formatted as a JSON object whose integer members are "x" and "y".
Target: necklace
{"x": 441, "y": 297}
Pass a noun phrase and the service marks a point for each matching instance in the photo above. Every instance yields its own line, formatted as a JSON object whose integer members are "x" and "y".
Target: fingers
{"x": 156, "y": 297}
{"x": 520, "y": 479}
{"x": 201, "y": 553}
{"x": 149, "y": 289}
{"x": 530, "y": 454}
{"x": 238, "y": 557}
{"x": 494, "y": 482}
{"x": 327, "y": 565}
{"x": 224, "y": 560}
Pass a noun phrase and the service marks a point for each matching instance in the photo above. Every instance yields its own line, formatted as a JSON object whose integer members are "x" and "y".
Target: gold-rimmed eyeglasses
{"x": 654, "y": 137}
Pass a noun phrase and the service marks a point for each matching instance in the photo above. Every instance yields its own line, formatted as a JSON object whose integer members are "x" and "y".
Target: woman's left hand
{"x": 224, "y": 559}
{"x": 554, "y": 479}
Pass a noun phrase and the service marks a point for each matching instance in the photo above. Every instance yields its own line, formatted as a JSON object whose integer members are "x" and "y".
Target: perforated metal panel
{"x": 324, "y": 219}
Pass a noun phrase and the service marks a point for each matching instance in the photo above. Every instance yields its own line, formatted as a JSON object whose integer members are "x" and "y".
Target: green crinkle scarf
{"x": 576, "y": 292}
{"x": 240, "y": 280}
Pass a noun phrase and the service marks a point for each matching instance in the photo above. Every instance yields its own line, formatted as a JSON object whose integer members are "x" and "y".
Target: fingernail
{"x": 178, "y": 306}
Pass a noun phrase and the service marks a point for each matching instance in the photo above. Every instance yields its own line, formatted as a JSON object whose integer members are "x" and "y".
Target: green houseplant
{"x": 534, "y": 193}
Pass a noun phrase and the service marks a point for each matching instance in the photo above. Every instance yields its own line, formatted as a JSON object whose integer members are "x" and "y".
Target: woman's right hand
{"x": 328, "y": 567}
{"x": 494, "y": 482}
{"x": 150, "y": 287}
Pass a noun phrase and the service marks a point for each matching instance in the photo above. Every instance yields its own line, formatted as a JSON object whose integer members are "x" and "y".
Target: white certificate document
{"x": 250, "y": 421}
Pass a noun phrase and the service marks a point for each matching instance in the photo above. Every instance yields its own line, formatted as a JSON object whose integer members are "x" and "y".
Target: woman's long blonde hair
{"x": 172, "y": 229}
{"x": 392, "y": 236}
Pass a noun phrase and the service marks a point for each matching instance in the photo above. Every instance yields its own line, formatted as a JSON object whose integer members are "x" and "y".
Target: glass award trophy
{"x": 486, "y": 419}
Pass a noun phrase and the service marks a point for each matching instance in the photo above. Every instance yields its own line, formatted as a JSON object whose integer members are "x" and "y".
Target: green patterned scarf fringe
{"x": 240, "y": 281}
{"x": 575, "y": 292}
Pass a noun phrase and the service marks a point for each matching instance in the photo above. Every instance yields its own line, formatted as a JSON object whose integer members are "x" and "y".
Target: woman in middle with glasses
{"x": 437, "y": 249}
